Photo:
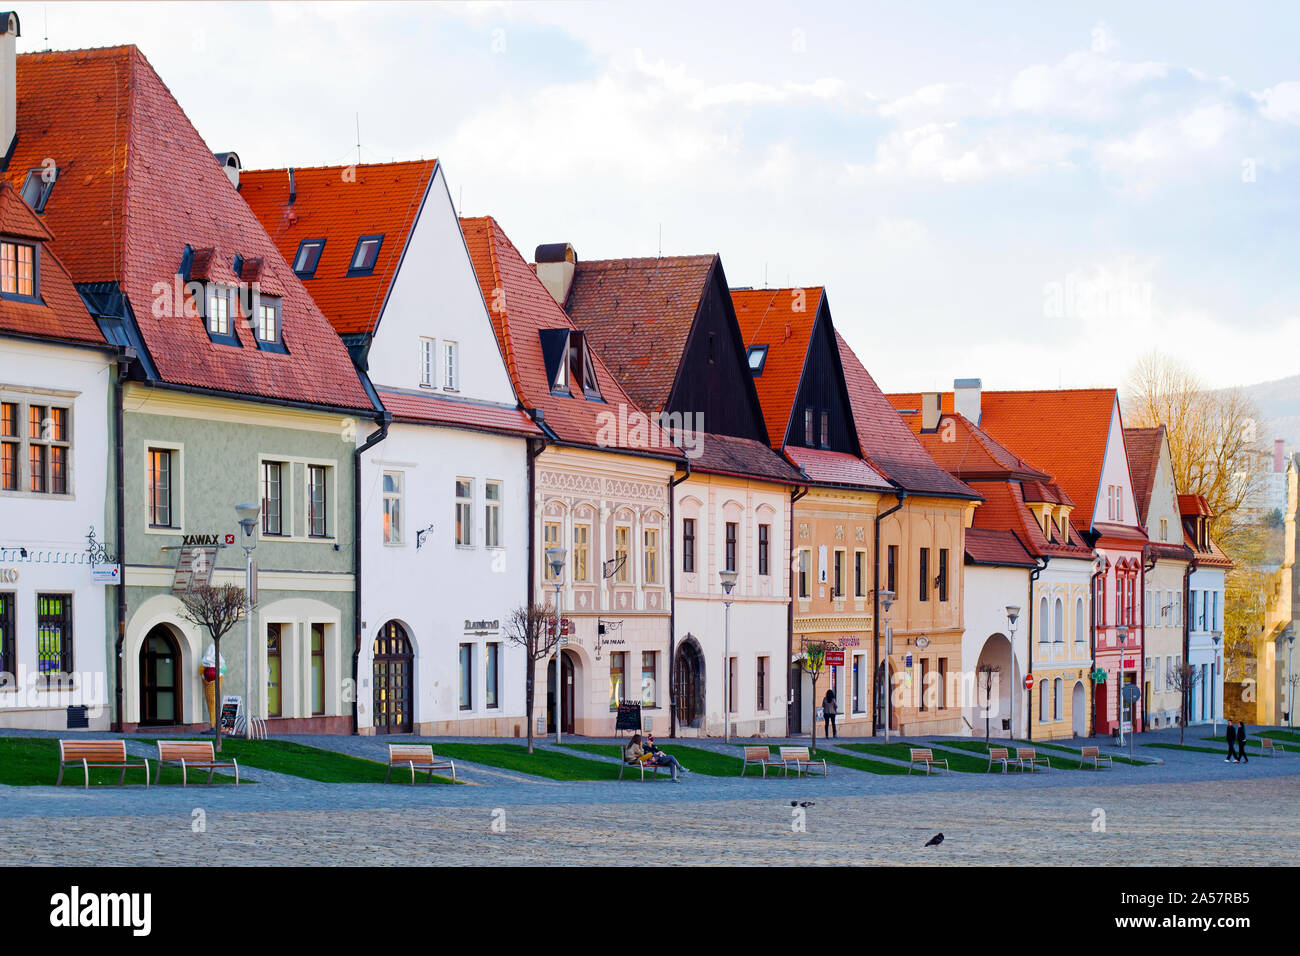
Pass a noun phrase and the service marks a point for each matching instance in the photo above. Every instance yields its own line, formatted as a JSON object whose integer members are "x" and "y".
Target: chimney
{"x": 556, "y": 263}
{"x": 231, "y": 166}
{"x": 930, "y": 411}
{"x": 293, "y": 188}
{"x": 966, "y": 398}
{"x": 8, "y": 83}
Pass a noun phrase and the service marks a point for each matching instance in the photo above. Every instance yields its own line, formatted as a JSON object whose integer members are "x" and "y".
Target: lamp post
{"x": 1013, "y": 615}
{"x": 555, "y": 557}
{"x": 886, "y": 602}
{"x": 1290, "y": 676}
{"x": 1214, "y": 685}
{"x": 728, "y": 582}
{"x": 1122, "y": 632}
{"x": 248, "y": 521}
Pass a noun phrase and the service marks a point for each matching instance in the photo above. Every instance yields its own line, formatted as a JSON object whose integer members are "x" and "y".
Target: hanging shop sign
{"x": 106, "y": 574}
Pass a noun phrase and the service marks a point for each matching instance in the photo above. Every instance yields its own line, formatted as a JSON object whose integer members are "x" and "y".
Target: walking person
{"x": 829, "y": 710}
{"x": 1232, "y": 743}
{"x": 1241, "y": 742}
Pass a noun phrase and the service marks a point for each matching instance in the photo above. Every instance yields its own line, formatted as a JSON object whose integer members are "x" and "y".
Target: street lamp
{"x": 1214, "y": 686}
{"x": 555, "y": 557}
{"x": 248, "y": 521}
{"x": 1290, "y": 676}
{"x": 886, "y": 602}
{"x": 1013, "y": 615}
{"x": 728, "y": 582}
{"x": 1122, "y": 632}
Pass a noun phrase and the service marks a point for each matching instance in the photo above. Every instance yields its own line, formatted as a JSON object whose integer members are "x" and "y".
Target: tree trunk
{"x": 813, "y": 748}
{"x": 216, "y": 710}
{"x": 528, "y": 699}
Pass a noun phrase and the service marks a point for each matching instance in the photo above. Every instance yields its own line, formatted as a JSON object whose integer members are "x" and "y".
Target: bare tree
{"x": 987, "y": 672}
{"x": 533, "y": 627}
{"x": 1184, "y": 679}
{"x": 218, "y": 609}
{"x": 814, "y": 662}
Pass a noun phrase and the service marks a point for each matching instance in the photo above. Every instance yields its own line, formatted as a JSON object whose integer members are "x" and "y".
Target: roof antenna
{"x": 460, "y": 203}
{"x": 358, "y": 116}
{"x": 764, "y": 275}
{"x": 47, "y": 28}
{"x": 661, "y": 240}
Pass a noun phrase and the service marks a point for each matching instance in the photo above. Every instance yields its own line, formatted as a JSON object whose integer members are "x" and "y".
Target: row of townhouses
{"x": 424, "y": 417}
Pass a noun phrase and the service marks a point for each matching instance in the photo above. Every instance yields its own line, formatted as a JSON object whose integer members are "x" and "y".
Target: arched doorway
{"x": 569, "y": 682}
{"x": 160, "y": 678}
{"x": 688, "y": 683}
{"x": 393, "y": 669}
{"x": 884, "y": 686}
{"x": 1077, "y": 705}
{"x": 991, "y": 713}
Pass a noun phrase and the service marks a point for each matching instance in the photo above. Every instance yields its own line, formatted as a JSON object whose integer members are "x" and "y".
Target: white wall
{"x": 1202, "y": 652}
{"x": 1115, "y": 471}
{"x": 53, "y": 530}
{"x": 988, "y": 593}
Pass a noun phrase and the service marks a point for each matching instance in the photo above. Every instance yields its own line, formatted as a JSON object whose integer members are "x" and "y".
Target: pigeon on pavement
{"x": 935, "y": 840}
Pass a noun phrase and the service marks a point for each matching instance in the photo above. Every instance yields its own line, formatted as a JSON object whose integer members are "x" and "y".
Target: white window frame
{"x": 450, "y": 355}
{"x": 428, "y": 362}
{"x": 394, "y": 529}
{"x": 467, "y": 503}
{"x": 22, "y": 442}
{"x": 331, "y": 500}
{"x": 492, "y": 512}
{"x": 624, "y": 575}
{"x": 646, "y": 551}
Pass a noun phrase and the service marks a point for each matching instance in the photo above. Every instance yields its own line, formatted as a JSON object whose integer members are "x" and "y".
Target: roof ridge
{"x": 334, "y": 166}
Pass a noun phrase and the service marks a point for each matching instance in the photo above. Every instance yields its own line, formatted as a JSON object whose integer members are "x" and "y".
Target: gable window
{"x": 392, "y": 507}
{"x": 808, "y": 428}
{"x": 365, "y": 255}
{"x": 492, "y": 514}
{"x": 757, "y": 359}
{"x": 160, "y": 487}
{"x": 826, "y": 429}
{"x": 37, "y": 187}
{"x": 267, "y": 327}
{"x": 1164, "y": 529}
{"x": 450, "y": 366}
{"x": 465, "y": 512}
{"x": 308, "y": 257}
{"x": 272, "y": 497}
{"x": 688, "y": 545}
{"x": 732, "y": 531}
{"x": 317, "y": 520}
{"x": 428, "y": 366}
{"x": 764, "y": 537}
{"x": 18, "y": 270}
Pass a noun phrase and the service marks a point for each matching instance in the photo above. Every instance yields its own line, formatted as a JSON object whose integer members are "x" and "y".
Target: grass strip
{"x": 956, "y": 762}
{"x": 542, "y": 762}
{"x": 709, "y": 763}
{"x": 34, "y": 762}
{"x": 300, "y": 760}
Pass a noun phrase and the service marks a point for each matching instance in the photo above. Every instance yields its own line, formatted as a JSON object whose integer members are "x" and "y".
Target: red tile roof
{"x": 886, "y": 441}
{"x": 740, "y": 457}
{"x": 640, "y": 313}
{"x": 783, "y": 320}
{"x": 520, "y": 307}
{"x": 1189, "y": 505}
{"x": 1142, "y": 445}
{"x": 1002, "y": 548}
{"x": 1064, "y": 431}
{"x": 421, "y": 409}
{"x": 1005, "y": 509}
{"x": 837, "y": 468}
{"x": 970, "y": 452}
{"x": 341, "y": 204}
{"x": 60, "y": 314}
{"x": 137, "y": 184}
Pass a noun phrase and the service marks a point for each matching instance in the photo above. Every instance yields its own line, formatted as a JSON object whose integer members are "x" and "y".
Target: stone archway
{"x": 990, "y": 710}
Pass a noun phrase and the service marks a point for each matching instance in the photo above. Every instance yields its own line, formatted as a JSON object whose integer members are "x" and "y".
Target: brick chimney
{"x": 966, "y": 398}
{"x": 556, "y": 263}
{"x": 931, "y": 410}
{"x": 8, "y": 81}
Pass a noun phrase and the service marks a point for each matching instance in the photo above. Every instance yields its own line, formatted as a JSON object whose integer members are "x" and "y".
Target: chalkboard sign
{"x": 229, "y": 711}
{"x": 629, "y": 715}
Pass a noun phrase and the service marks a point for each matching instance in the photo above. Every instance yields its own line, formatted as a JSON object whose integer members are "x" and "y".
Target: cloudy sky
{"x": 1033, "y": 195}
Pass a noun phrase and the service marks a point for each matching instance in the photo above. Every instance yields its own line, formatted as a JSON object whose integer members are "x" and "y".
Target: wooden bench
{"x": 1267, "y": 747}
{"x": 1030, "y": 756}
{"x": 1096, "y": 756}
{"x": 925, "y": 757}
{"x": 998, "y": 755}
{"x": 758, "y": 757}
{"x": 417, "y": 757}
{"x": 642, "y": 765}
{"x": 193, "y": 755}
{"x": 98, "y": 753}
{"x": 802, "y": 760}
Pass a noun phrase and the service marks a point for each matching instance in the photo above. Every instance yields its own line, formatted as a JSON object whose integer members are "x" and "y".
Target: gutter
{"x": 672, "y": 602}
{"x": 353, "y": 412}
{"x": 1148, "y": 564}
{"x": 375, "y": 438}
{"x": 795, "y": 495}
{"x": 875, "y": 614}
{"x": 1029, "y": 634}
{"x": 1184, "y": 711}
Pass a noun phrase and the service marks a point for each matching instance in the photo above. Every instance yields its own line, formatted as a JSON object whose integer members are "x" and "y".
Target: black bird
{"x": 935, "y": 840}
{"x": 807, "y": 803}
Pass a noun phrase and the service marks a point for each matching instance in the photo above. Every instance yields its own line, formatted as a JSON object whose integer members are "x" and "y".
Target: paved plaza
{"x": 1191, "y": 809}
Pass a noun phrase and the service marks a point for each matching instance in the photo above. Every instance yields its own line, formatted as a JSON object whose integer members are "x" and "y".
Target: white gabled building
{"x": 1203, "y": 600}
{"x": 444, "y": 485}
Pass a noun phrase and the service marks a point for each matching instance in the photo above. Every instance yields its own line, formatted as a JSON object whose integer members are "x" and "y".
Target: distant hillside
{"x": 1279, "y": 403}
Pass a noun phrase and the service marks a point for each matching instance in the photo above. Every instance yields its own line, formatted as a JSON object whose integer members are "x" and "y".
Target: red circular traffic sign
{"x": 1029, "y": 682}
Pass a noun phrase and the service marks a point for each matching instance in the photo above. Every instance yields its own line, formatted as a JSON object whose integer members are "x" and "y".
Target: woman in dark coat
{"x": 829, "y": 710}
{"x": 1241, "y": 743}
{"x": 1232, "y": 743}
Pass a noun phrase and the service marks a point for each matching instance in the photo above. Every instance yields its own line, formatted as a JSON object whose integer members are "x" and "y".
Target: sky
{"x": 1033, "y": 195}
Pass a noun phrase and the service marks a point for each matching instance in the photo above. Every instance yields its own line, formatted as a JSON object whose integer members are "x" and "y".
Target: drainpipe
{"x": 1148, "y": 564}
{"x": 1185, "y": 707}
{"x": 875, "y": 615}
{"x": 535, "y": 447}
{"x": 124, "y": 359}
{"x": 672, "y": 602}
{"x": 795, "y": 495}
{"x": 375, "y": 438}
{"x": 1029, "y": 707}
{"x": 1092, "y": 631}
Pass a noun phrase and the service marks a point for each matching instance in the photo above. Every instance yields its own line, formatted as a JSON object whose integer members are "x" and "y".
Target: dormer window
{"x": 36, "y": 189}
{"x": 266, "y": 324}
{"x": 19, "y": 270}
{"x": 308, "y": 257}
{"x": 582, "y": 369}
{"x": 217, "y": 314}
{"x": 365, "y": 255}
{"x": 757, "y": 359}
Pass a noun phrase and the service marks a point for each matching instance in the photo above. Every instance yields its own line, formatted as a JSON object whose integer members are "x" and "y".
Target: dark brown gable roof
{"x": 1143, "y": 447}
{"x": 639, "y": 313}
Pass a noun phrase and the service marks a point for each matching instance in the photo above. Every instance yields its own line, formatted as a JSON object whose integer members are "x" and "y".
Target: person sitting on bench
{"x": 635, "y": 753}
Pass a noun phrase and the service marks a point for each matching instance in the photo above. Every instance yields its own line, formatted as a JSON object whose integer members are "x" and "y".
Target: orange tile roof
{"x": 639, "y": 313}
{"x": 429, "y": 409}
{"x": 520, "y": 307}
{"x": 1000, "y": 548}
{"x": 136, "y": 184}
{"x": 781, "y": 319}
{"x": 340, "y": 204}
{"x": 837, "y": 468}
{"x": 61, "y": 314}
{"x": 971, "y": 453}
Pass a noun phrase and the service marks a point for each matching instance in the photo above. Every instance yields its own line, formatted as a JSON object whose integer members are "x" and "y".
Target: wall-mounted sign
{"x": 848, "y": 641}
{"x": 482, "y": 625}
{"x": 835, "y": 658}
{"x": 908, "y": 660}
{"x": 194, "y": 568}
{"x": 8, "y": 575}
{"x": 106, "y": 574}
{"x": 206, "y": 540}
